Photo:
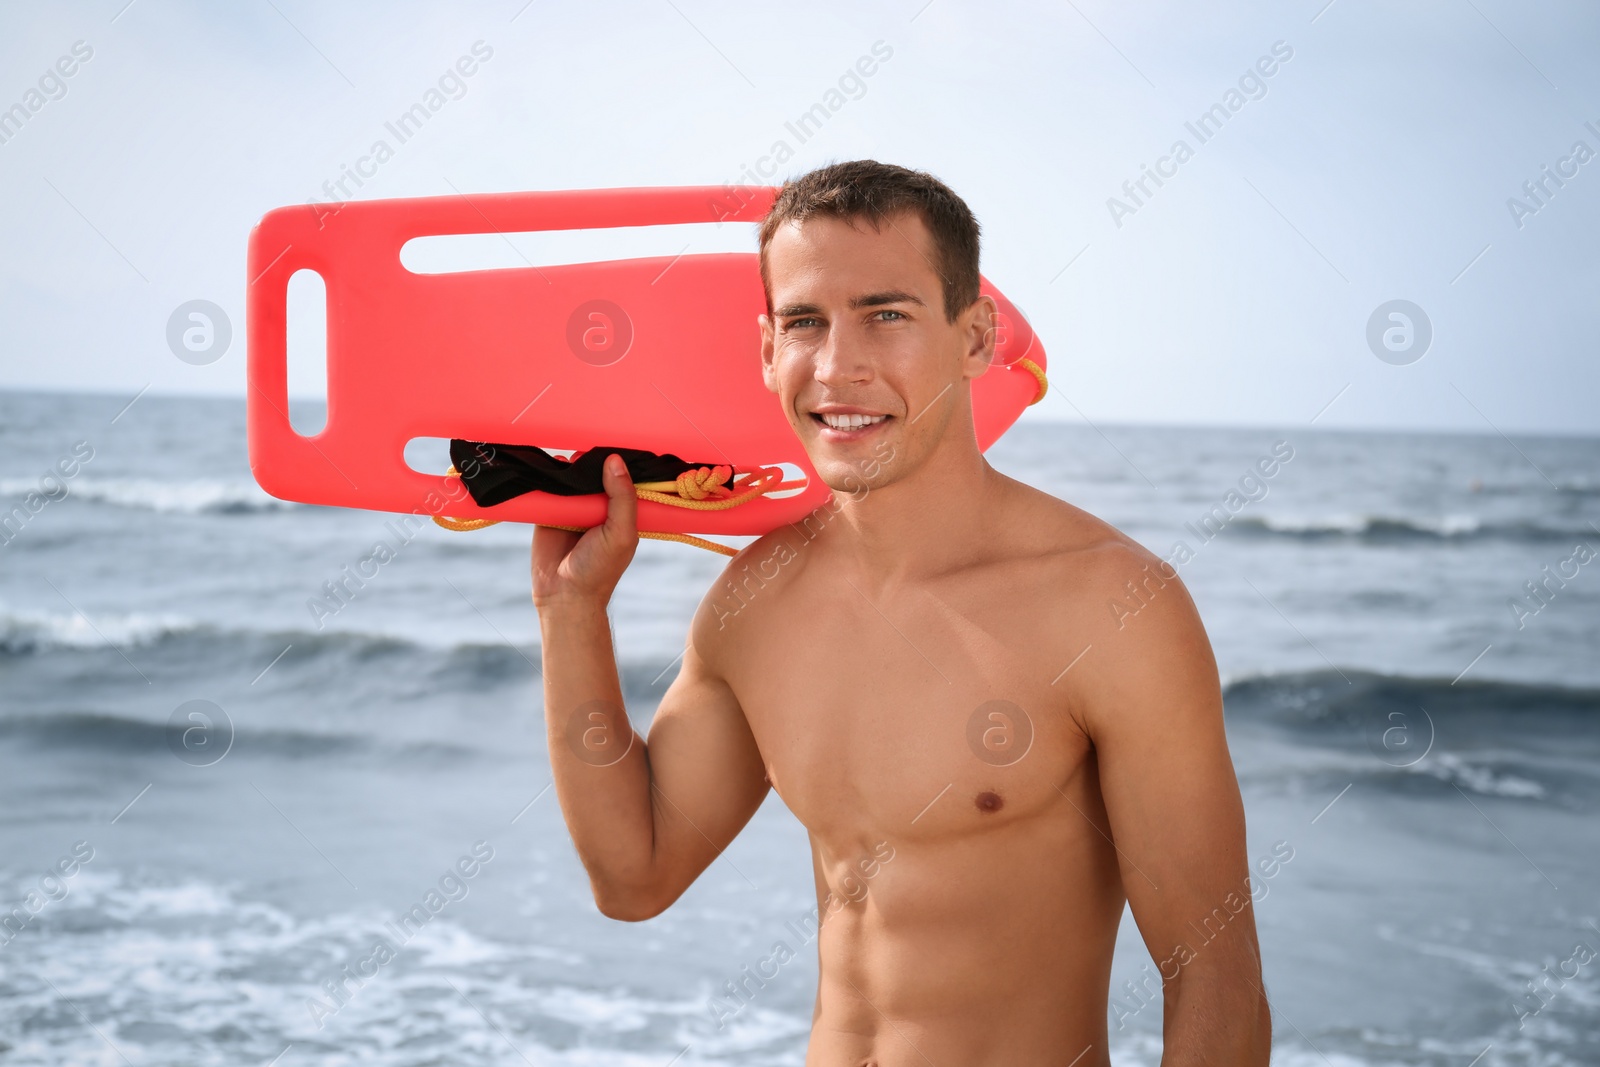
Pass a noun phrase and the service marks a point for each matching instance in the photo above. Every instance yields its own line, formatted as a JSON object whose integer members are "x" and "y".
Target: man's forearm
{"x": 602, "y": 775}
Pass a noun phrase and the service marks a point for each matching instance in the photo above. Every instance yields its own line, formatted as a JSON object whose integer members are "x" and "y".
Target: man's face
{"x": 871, "y": 375}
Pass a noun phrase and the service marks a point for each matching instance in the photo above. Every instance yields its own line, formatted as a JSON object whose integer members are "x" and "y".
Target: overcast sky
{"x": 1377, "y": 162}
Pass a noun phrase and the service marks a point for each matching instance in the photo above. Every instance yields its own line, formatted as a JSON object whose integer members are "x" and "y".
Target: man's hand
{"x": 569, "y": 567}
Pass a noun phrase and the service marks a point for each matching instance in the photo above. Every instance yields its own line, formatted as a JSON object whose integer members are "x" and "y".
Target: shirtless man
{"x": 927, "y": 665}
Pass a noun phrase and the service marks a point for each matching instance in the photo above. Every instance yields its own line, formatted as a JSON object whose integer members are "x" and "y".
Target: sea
{"x": 235, "y": 829}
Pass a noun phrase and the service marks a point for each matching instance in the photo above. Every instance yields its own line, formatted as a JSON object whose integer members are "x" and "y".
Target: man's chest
{"x": 910, "y": 716}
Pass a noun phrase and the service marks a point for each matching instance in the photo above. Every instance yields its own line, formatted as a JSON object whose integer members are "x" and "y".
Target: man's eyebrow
{"x": 870, "y": 300}
{"x": 790, "y": 310}
{"x": 888, "y": 296}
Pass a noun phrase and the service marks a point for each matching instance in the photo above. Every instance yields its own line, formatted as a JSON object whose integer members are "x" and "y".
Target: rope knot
{"x": 703, "y": 482}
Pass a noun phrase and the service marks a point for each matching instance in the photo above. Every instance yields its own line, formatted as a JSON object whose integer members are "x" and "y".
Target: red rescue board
{"x": 660, "y": 354}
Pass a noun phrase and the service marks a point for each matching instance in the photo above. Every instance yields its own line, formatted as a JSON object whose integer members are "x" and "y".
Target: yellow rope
{"x": 696, "y": 493}
{"x": 464, "y": 525}
{"x": 1038, "y": 374}
{"x": 700, "y": 489}
{"x": 706, "y": 489}
{"x": 468, "y": 525}
{"x": 656, "y": 535}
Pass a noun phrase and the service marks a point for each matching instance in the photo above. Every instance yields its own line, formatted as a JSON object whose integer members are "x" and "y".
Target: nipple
{"x": 989, "y": 802}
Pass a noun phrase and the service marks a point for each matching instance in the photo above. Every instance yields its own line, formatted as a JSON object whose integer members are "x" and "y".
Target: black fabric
{"x": 497, "y": 473}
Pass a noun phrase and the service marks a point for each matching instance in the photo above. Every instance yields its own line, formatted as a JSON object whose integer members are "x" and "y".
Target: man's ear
{"x": 980, "y": 329}
{"x": 768, "y": 374}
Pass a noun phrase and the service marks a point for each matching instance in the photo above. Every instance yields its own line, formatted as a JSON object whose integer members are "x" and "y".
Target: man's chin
{"x": 850, "y": 475}
{"x": 853, "y": 465}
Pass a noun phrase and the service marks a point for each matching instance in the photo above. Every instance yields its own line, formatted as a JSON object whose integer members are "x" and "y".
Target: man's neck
{"x": 927, "y": 523}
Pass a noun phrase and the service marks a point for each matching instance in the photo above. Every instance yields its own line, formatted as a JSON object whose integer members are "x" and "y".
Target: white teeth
{"x": 851, "y": 422}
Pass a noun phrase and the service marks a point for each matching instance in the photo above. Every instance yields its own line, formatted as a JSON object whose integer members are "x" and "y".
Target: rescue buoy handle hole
{"x": 431, "y": 456}
{"x": 306, "y": 350}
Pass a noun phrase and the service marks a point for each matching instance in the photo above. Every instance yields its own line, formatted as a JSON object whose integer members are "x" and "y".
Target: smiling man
{"x": 933, "y": 671}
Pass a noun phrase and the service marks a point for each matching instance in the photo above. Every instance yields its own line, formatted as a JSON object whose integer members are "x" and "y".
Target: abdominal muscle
{"x": 986, "y": 949}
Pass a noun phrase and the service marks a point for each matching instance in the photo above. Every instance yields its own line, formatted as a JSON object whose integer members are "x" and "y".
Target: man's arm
{"x": 646, "y": 818}
{"x": 1154, "y": 712}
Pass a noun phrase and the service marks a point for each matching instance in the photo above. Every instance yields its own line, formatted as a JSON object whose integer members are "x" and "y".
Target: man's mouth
{"x": 835, "y": 421}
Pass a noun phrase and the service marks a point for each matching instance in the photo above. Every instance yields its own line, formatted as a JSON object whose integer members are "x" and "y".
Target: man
{"x": 932, "y": 668}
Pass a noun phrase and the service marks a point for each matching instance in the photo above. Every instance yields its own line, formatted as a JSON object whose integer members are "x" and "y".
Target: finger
{"x": 622, "y": 504}
{"x": 551, "y": 544}
{"x": 550, "y": 547}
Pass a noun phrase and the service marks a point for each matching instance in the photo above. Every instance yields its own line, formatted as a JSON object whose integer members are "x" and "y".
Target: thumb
{"x": 622, "y": 504}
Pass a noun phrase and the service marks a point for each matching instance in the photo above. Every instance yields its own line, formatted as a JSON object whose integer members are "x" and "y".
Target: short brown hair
{"x": 867, "y": 189}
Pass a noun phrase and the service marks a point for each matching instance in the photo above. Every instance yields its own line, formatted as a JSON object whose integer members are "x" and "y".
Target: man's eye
{"x": 801, "y": 324}
{"x": 891, "y": 311}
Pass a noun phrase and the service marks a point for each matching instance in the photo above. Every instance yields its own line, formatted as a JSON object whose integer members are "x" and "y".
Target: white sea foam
{"x": 33, "y": 631}
{"x": 174, "y": 901}
{"x": 1342, "y": 524}
{"x": 1453, "y": 769}
{"x": 1352, "y": 524}
{"x": 1451, "y": 525}
{"x": 209, "y": 960}
{"x": 590, "y": 1008}
{"x": 196, "y": 496}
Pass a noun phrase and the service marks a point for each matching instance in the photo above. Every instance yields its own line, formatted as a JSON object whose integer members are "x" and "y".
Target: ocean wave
{"x": 1478, "y": 778}
{"x": 239, "y": 977}
{"x": 235, "y": 977}
{"x": 1390, "y": 528}
{"x": 362, "y": 665}
{"x": 24, "y": 632}
{"x": 1435, "y": 773}
{"x": 194, "y": 497}
{"x": 1314, "y": 698}
{"x": 432, "y": 665}
{"x": 1422, "y": 736}
{"x": 127, "y": 734}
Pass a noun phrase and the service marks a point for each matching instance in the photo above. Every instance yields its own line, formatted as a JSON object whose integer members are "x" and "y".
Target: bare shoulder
{"x": 1122, "y": 603}
{"x": 749, "y": 588}
{"x": 1083, "y": 554}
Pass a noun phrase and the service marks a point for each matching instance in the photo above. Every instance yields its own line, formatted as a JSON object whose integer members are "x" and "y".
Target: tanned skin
{"x": 847, "y": 674}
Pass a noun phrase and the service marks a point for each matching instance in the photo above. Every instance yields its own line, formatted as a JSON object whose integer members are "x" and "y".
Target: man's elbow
{"x": 1251, "y": 1011}
{"x": 1263, "y": 1026}
{"x": 1253, "y": 1025}
{"x": 628, "y": 909}
{"x": 1222, "y": 1004}
{"x": 629, "y": 904}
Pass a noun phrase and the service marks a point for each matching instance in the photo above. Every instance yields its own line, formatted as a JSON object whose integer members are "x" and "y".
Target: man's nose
{"x": 842, "y": 360}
